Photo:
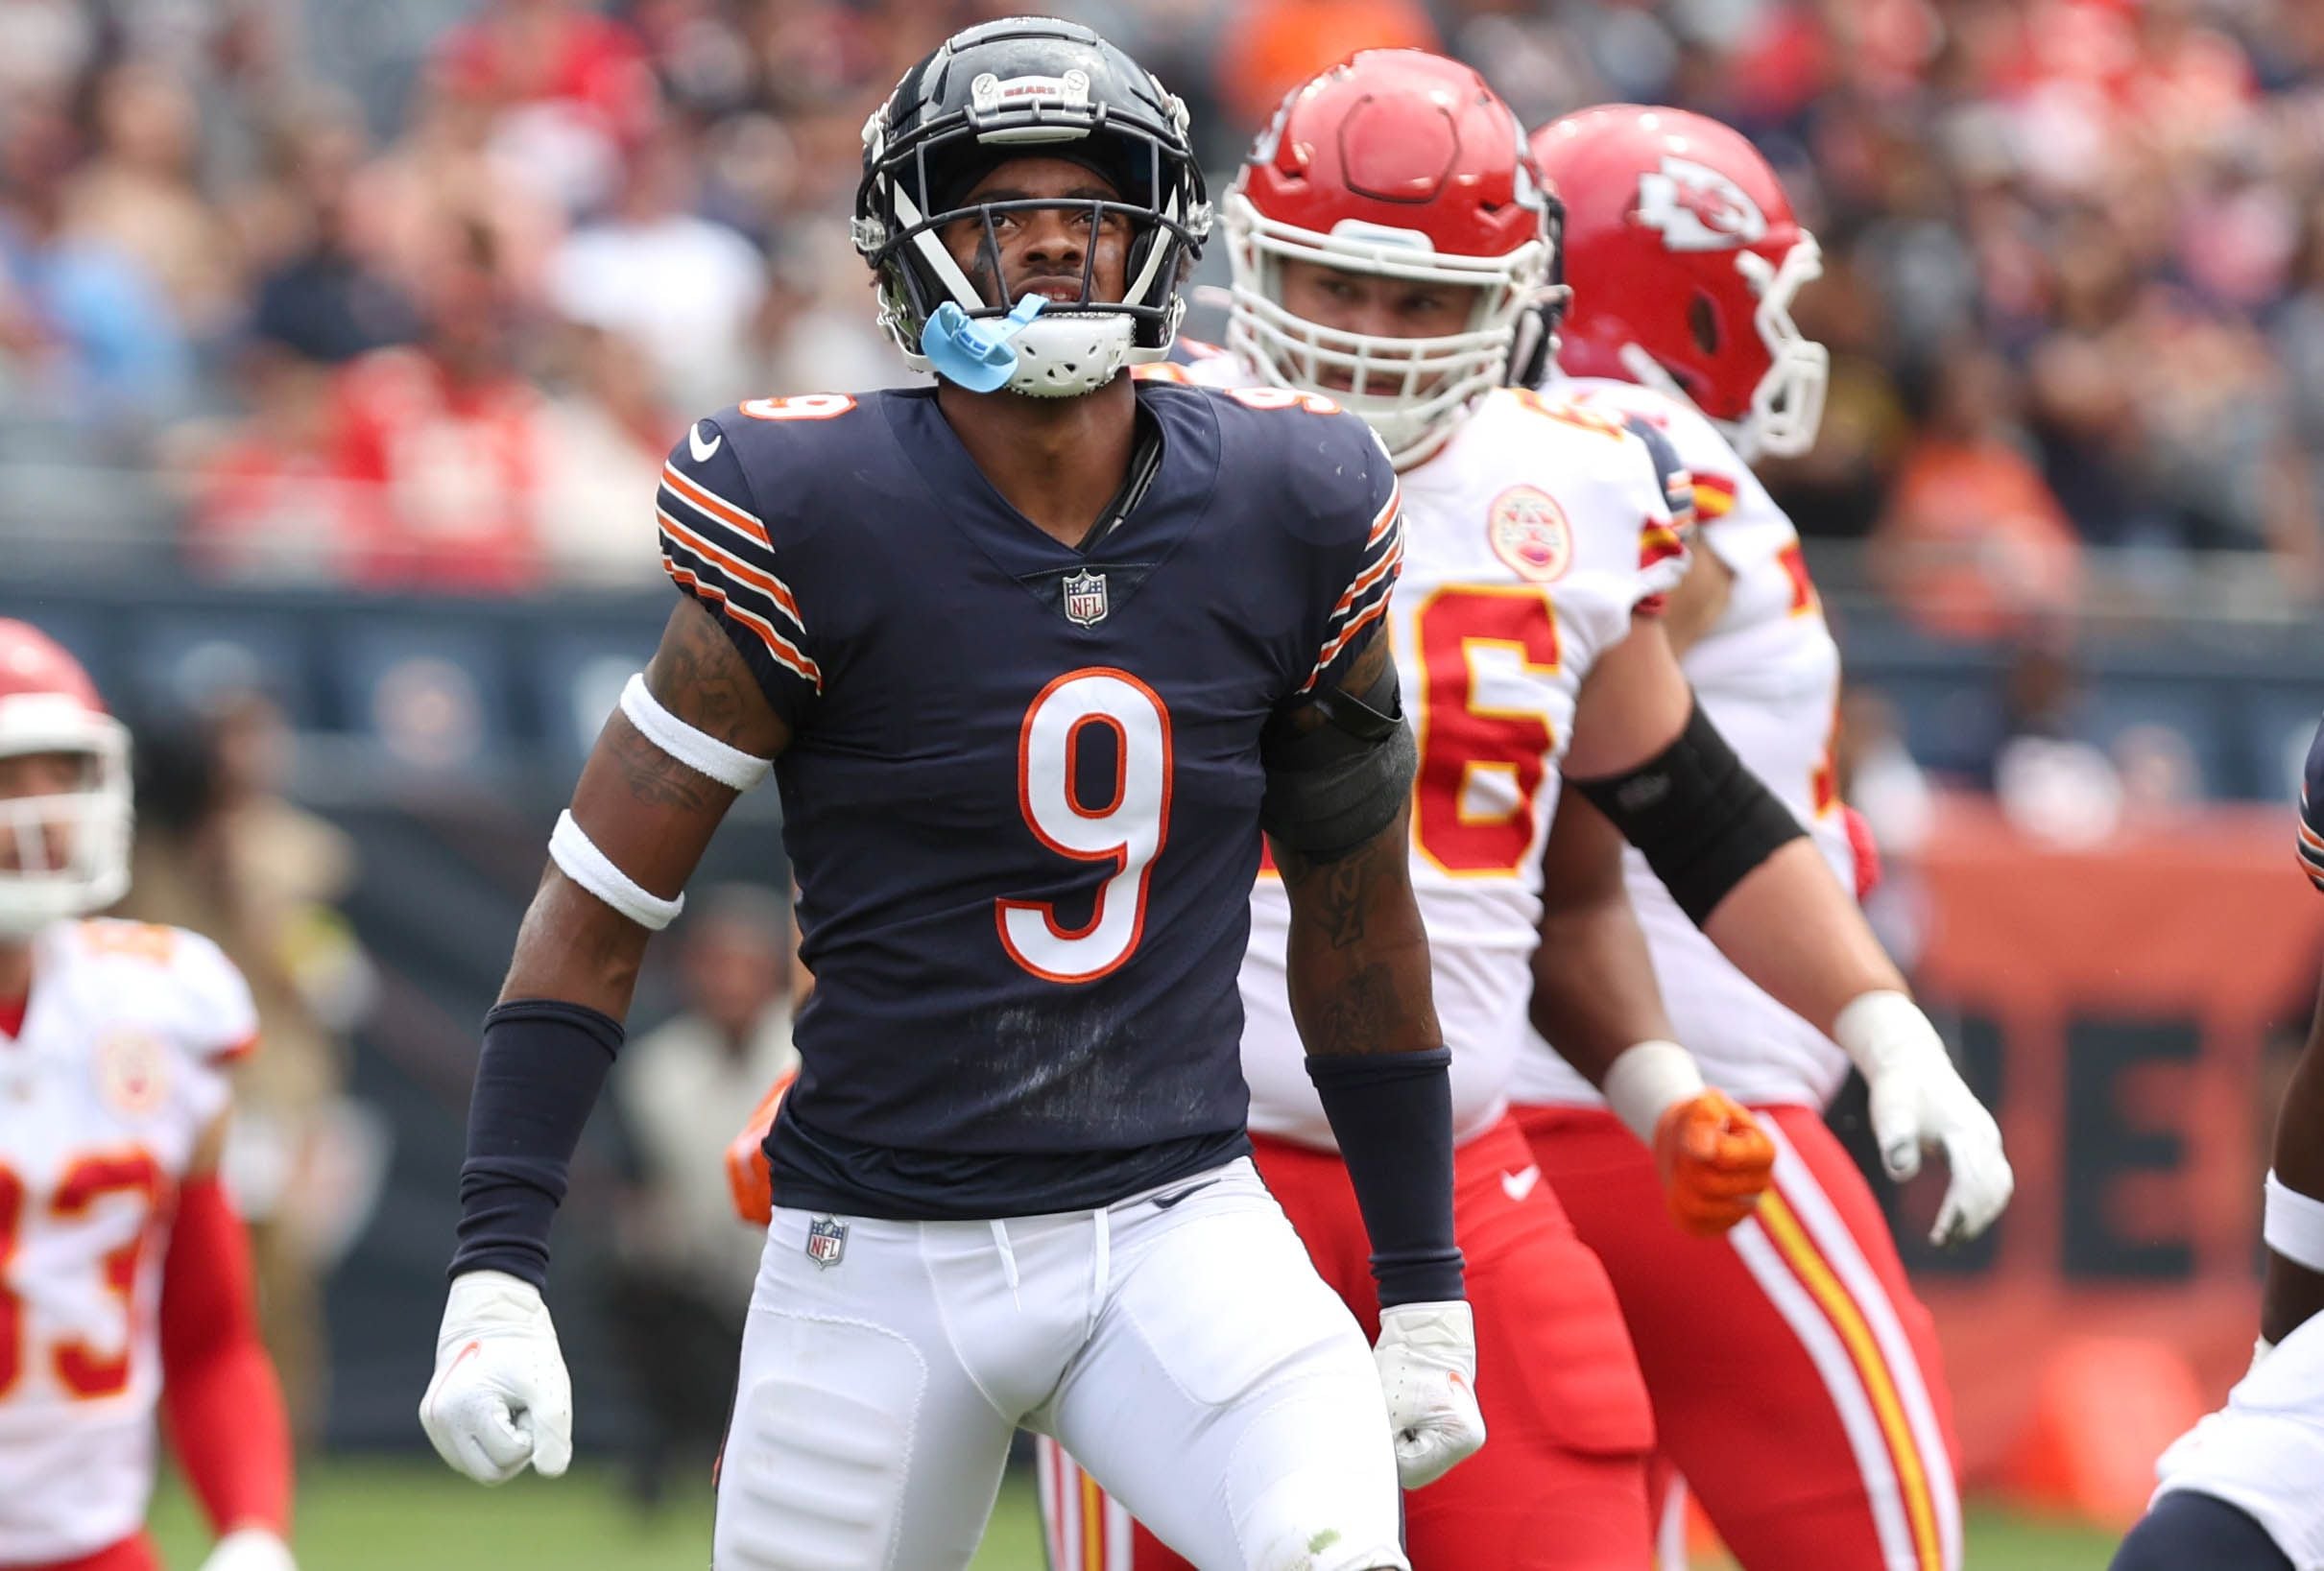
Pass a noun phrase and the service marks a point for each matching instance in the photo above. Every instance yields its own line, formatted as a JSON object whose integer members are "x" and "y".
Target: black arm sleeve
{"x": 543, "y": 1065}
{"x": 1702, "y": 819}
{"x": 1392, "y": 1114}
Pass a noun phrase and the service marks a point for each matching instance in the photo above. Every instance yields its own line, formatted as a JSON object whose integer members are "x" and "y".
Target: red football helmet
{"x": 1400, "y": 164}
{"x": 63, "y": 853}
{"x": 1684, "y": 256}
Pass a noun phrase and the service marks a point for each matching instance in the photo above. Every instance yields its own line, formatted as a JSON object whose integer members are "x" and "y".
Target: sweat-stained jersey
{"x": 1767, "y": 673}
{"x": 1021, "y": 798}
{"x": 1529, "y": 540}
{"x": 104, "y": 1098}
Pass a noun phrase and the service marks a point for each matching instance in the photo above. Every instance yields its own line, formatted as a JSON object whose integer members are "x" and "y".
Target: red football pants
{"x": 132, "y": 1554}
{"x": 1561, "y": 1483}
{"x": 1796, "y": 1377}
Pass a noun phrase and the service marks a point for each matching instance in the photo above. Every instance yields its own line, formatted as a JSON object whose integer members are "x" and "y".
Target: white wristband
{"x": 691, "y": 746}
{"x": 1644, "y": 1083}
{"x": 2294, "y": 1225}
{"x": 577, "y": 855}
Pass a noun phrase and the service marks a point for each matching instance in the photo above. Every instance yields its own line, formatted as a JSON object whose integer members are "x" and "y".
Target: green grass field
{"x": 408, "y": 1513}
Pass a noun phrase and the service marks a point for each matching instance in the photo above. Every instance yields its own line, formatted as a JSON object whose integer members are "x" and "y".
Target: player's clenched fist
{"x": 1427, "y": 1354}
{"x": 501, "y": 1397}
{"x": 1714, "y": 1160}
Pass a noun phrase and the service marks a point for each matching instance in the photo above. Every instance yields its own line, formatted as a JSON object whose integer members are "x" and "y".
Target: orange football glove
{"x": 1714, "y": 1160}
{"x": 748, "y": 1175}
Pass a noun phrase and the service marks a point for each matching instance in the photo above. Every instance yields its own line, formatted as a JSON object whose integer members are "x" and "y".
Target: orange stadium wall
{"x": 2130, "y": 1008}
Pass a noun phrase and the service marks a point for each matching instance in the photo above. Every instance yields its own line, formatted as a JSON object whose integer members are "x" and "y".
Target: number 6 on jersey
{"x": 1127, "y": 830}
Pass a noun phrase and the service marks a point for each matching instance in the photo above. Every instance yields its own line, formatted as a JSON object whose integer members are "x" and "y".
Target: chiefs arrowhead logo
{"x": 1698, "y": 208}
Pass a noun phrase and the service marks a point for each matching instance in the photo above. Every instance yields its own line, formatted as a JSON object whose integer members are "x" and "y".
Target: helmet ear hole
{"x": 1703, "y": 321}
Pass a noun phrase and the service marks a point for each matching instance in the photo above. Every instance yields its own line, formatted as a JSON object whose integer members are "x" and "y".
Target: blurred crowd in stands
{"x": 417, "y": 295}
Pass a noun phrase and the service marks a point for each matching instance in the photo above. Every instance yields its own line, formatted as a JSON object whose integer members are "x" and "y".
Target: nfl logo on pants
{"x": 1084, "y": 598}
{"x": 826, "y": 1241}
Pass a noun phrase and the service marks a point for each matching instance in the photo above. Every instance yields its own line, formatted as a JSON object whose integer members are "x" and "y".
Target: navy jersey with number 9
{"x": 1021, "y": 798}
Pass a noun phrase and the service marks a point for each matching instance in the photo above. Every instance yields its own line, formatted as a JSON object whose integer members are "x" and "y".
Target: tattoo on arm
{"x": 1353, "y": 1016}
{"x": 1333, "y": 890}
{"x": 698, "y": 675}
{"x": 1359, "y": 957}
{"x": 653, "y": 777}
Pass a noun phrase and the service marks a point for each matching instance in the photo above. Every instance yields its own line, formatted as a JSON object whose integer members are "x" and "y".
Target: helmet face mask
{"x": 1039, "y": 88}
{"x": 1685, "y": 256}
{"x": 1395, "y": 165}
{"x": 63, "y": 852}
{"x": 66, "y": 853}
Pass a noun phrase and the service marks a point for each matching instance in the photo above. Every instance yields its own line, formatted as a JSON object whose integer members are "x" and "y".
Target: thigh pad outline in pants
{"x": 859, "y": 1442}
{"x": 1227, "y": 1396}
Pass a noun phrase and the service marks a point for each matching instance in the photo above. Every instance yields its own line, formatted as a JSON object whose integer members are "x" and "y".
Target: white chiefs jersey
{"x": 102, "y": 1100}
{"x": 1767, "y": 673}
{"x": 1530, "y": 539}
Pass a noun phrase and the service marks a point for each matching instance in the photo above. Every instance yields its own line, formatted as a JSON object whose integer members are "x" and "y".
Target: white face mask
{"x": 1787, "y": 406}
{"x": 64, "y": 854}
{"x": 1413, "y": 391}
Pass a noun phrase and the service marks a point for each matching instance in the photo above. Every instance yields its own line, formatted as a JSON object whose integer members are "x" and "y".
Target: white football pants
{"x": 2264, "y": 1452}
{"x": 1178, "y": 1342}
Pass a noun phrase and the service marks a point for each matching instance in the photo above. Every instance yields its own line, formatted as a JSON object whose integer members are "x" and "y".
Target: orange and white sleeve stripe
{"x": 719, "y": 551}
{"x": 1365, "y": 601}
{"x": 2311, "y": 844}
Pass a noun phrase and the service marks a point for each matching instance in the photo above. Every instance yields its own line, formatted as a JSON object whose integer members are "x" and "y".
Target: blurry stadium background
{"x": 340, "y": 341}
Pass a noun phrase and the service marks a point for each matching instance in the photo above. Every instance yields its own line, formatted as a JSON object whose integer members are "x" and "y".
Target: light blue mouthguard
{"x": 976, "y": 352}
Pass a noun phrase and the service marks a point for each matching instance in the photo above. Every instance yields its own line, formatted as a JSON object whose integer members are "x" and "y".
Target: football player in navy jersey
{"x": 1034, "y": 656}
{"x": 2242, "y": 1490}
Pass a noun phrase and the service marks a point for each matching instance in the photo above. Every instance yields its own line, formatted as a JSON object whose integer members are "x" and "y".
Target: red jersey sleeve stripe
{"x": 1714, "y": 495}
{"x": 1657, "y": 541}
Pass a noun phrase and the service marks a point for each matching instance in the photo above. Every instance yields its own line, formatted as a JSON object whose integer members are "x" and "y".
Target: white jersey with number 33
{"x": 102, "y": 1102}
{"x": 1767, "y": 673}
{"x": 1529, "y": 541}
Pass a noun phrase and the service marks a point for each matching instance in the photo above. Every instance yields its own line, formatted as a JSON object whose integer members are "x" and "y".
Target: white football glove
{"x": 1427, "y": 1355}
{"x": 250, "y": 1549}
{"x": 501, "y": 1397}
{"x": 1919, "y": 1100}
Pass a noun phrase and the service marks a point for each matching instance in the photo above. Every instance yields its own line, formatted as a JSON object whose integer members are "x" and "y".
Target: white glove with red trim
{"x": 1427, "y": 1355}
{"x": 501, "y": 1397}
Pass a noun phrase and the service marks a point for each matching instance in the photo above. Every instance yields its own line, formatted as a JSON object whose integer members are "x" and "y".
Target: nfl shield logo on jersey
{"x": 826, "y": 1241}
{"x": 1084, "y": 598}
